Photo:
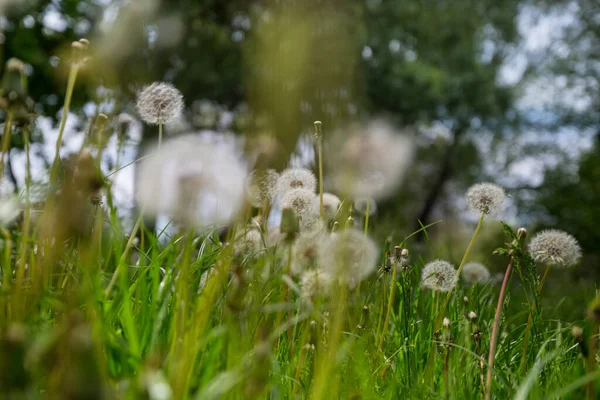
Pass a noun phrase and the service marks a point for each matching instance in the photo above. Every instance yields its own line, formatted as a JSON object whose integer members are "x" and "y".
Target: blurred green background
{"x": 506, "y": 91}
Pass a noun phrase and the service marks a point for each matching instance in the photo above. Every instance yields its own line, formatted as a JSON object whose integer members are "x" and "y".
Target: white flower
{"x": 555, "y": 247}
{"x": 261, "y": 187}
{"x": 296, "y": 178}
{"x": 10, "y": 209}
{"x": 485, "y": 198}
{"x": 370, "y": 161}
{"x": 439, "y": 275}
{"x": 360, "y": 206}
{"x": 299, "y": 200}
{"x": 474, "y": 272}
{"x": 349, "y": 256}
{"x": 249, "y": 244}
{"x": 199, "y": 182}
{"x": 305, "y": 250}
{"x": 159, "y": 103}
{"x": 315, "y": 282}
{"x": 331, "y": 205}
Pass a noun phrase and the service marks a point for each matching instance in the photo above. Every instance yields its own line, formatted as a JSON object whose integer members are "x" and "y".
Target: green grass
{"x": 246, "y": 333}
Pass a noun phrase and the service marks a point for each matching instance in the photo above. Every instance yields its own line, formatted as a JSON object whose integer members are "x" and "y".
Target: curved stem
{"x": 128, "y": 246}
{"x": 494, "y": 338}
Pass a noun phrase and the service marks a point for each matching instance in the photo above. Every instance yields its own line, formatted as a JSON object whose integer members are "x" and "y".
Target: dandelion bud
{"x": 485, "y": 198}
{"x": 14, "y": 82}
{"x": 318, "y": 125}
{"x": 472, "y": 315}
{"x": 446, "y": 323}
{"x": 365, "y": 308}
{"x": 522, "y": 233}
{"x": 404, "y": 253}
{"x": 554, "y": 247}
{"x": 159, "y": 103}
{"x": 465, "y": 299}
{"x": 577, "y": 333}
{"x": 84, "y": 42}
{"x": 439, "y": 276}
{"x": 594, "y": 310}
{"x": 79, "y": 51}
{"x": 289, "y": 222}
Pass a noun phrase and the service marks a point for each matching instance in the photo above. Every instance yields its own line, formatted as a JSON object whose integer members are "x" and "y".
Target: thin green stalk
{"x": 440, "y": 315}
{"x": 530, "y": 322}
{"x": 128, "y": 246}
{"x": 367, "y": 212}
{"x": 390, "y": 300}
{"x": 5, "y": 140}
{"x": 63, "y": 122}
{"x": 160, "y": 133}
{"x": 318, "y": 137}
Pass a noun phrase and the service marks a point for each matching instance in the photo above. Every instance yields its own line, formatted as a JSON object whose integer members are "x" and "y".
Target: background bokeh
{"x": 506, "y": 91}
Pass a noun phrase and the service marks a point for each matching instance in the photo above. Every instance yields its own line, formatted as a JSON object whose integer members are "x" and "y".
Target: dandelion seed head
{"x": 349, "y": 256}
{"x": 486, "y": 198}
{"x": 446, "y": 322}
{"x": 305, "y": 251}
{"x": 249, "y": 244}
{"x": 472, "y": 315}
{"x": 299, "y": 200}
{"x": 275, "y": 237}
{"x": 439, "y": 276}
{"x": 331, "y": 205}
{"x": 474, "y": 272}
{"x": 555, "y": 247}
{"x": 261, "y": 187}
{"x": 198, "y": 182}
{"x": 311, "y": 222}
{"x": 159, "y": 102}
{"x": 370, "y": 160}
{"x": 10, "y": 209}
{"x": 296, "y": 178}
{"x": 360, "y": 206}
{"x": 315, "y": 282}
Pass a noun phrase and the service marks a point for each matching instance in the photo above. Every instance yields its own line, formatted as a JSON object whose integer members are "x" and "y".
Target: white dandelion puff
{"x": 474, "y": 272}
{"x": 554, "y": 247}
{"x": 315, "y": 282}
{"x": 261, "y": 187}
{"x": 485, "y": 198}
{"x": 349, "y": 256}
{"x": 312, "y": 222}
{"x": 331, "y": 205}
{"x": 249, "y": 244}
{"x": 360, "y": 206}
{"x": 159, "y": 103}
{"x": 299, "y": 200}
{"x": 370, "y": 161}
{"x": 296, "y": 178}
{"x": 10, "y": 209}
{"x": 439, "y": 276}
{"x": 305, "y": 251}
{"x": 197, "y": 182}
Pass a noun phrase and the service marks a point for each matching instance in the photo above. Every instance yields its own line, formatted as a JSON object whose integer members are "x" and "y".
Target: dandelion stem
{"x": 390, "y": 299}
{"x": 63, "y": 121}
{"x": 160, "y": 133}
{"x": 5, "y": 141}
{"x": 318, "y": 137}
{"x": 494, "y": 338}
{"x": 367, "y": 212}
{"x": 530, "y": 322}
{"x": 128, "y": 246}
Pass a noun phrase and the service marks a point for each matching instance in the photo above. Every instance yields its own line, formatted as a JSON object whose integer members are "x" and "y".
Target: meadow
{"x": 230, "y": 305}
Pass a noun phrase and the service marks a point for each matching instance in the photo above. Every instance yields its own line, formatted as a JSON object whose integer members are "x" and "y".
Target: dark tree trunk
{"x": 444, "y": 174}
